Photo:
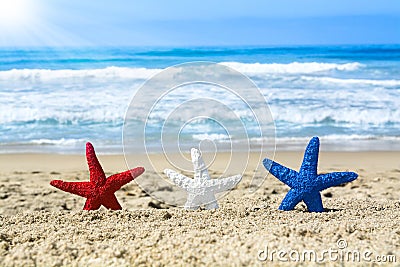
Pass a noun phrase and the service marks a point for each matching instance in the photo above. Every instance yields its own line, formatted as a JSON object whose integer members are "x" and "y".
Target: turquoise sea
{"x": 56, "y": 99}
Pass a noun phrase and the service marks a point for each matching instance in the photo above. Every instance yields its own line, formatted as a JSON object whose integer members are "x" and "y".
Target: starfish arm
{"x": 92, "y": 204}
{"x": 327, "y": 180}
{"x": 310, "y": 160}
{"x": 97, "y": 175}
{"x": 284, "y": 174}
{"x": 111, "y": 203}
{"x": 204, "y": 175}
{"x": 292, "y": 198}
{"x": 179, "y": 179}
{"x": 116, "y": 181}
{"x": 212, "y": 205}
{"x": 191, "y": 203}
{"x": 224, "y": 184}
{"x": 200, "y": 170}
{"x": 82, "y": 189}
{"x": 313, "y": 201}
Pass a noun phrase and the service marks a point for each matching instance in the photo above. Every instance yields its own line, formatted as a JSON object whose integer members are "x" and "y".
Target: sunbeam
{"x": 15, "y": 13}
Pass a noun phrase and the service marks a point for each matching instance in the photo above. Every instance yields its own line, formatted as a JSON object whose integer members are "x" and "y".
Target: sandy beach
{"x": 43, "y": 226}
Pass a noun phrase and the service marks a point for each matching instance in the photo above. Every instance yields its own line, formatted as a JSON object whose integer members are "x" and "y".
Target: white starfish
{"x": 202, "y": 189}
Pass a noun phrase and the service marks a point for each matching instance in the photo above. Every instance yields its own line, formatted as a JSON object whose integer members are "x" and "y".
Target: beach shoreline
{"x": 54, "y": 161}
{"x": 279, "y": 144}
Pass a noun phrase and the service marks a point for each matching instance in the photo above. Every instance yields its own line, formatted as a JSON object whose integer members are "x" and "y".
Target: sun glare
{"x": 14, "y": 13}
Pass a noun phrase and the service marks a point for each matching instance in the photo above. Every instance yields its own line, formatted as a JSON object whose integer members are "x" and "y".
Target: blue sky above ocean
{"x": 197, "y": 23}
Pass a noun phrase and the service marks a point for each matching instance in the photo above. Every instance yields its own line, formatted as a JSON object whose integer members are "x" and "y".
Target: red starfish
{"x": 100, "y": 190}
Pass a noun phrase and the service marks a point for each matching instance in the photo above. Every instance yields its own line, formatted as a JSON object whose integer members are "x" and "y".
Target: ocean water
{"x": 58, "y": 99}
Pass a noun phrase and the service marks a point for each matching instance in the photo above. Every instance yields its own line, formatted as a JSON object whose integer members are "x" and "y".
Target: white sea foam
{"x": 63, "y": 111}
{"x": 291, "y": 68}
{"x": 108, "y": 105}
{"x": 354, "y": 107}
{"x": 336, "y": 137}
{"x": 330, "y": 80}
{"x": 145, "y": 73}
{"x": 58, "y": 142}
{"x": 347, "y": 116}
{"x": 43, "y": 100}
{"x": 103, "y": 74}
{"x": 213, "y": 137}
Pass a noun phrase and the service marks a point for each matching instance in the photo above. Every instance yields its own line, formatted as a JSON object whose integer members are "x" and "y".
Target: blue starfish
{"x": 306, "y": 184}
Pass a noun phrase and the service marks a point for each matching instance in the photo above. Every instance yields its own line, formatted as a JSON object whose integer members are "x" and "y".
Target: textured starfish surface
{"x": 202, "y": 189}
{"x": 306, "y": 184}
{"x": 99, "y": 190}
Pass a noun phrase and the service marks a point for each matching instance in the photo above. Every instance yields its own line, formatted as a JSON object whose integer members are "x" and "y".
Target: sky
{"x": 198, "y": 23}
